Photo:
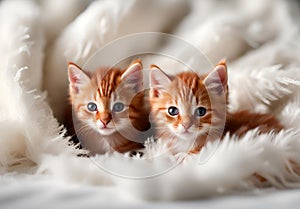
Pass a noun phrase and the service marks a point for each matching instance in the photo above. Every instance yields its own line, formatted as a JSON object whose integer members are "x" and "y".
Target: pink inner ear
{"x": 222, "y": 72}
{"x": 155, "y": 93}
{"x": 133, "y": 70}
{"x": 216, "y": 80}
{"x": 77, "y": 77}
{"x": 158, "y": 79}
{"x": 74, "y": 73}
{"x": 133, "y": 75}
{"x": 73, "y": 78}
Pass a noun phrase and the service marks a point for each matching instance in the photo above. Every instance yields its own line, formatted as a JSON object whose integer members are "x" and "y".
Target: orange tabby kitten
{"x": 107, "y": 107}
{"x": 189, "y": 109}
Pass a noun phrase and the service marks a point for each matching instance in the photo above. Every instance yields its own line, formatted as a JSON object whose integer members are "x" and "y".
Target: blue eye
{"x": 200, "y": 111}
{"x": 91, "y": 106}
{"x": 118, "y": 107}
{"x": 173, "y": 111}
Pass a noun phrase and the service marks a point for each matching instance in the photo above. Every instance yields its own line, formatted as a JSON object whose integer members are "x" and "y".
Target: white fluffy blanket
{"x": 260, "y": 40}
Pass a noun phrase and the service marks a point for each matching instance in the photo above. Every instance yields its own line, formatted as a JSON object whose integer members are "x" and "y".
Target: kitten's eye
{"x": 92, "y": 106}
{"x": 173, "y": 111}
{"x": 118, "y": 107}
{"x": 200, "y": 111}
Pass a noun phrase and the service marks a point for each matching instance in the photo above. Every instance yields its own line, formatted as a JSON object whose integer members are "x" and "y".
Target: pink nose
{"x": 186, "y": 125}
{"x": 105, "y": 118}
{"x": 105, "y": 122}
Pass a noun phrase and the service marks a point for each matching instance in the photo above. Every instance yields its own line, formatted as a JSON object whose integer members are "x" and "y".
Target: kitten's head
{"x": 102, "y": 100}
{"x": 188, "y": 105}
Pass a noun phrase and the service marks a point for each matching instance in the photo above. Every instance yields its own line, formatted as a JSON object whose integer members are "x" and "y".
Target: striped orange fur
{"x": 189, "y": 93}
{"x": 108, "y": 107}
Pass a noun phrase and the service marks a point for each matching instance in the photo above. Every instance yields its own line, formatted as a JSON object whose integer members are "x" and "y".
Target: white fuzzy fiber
{"x": 260, "y": 40}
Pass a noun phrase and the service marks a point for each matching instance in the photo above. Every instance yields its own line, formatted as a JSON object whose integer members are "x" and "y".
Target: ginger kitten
{"x": 108, "y": 108}
{"x": 189, "y": 109}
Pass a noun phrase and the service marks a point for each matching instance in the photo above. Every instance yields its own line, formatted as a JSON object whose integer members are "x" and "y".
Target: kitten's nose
{"x": 105, "y": 118}
{"x": 187, "y": 125}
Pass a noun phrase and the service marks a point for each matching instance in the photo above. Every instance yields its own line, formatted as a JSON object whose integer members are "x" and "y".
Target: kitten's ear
{"x": 133, "y": 75}
{"x": 158, "y": 80}
{"x": 217, "y": 79}
{"x": 77, "y": 77}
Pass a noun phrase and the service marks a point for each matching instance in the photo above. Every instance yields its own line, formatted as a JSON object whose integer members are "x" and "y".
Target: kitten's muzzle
{"x": 186, "y": 126}
{"x": 105, "y": 122}
{"x": 105, "y": 118}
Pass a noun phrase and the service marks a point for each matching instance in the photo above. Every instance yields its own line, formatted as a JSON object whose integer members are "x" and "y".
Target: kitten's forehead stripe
{"x": 191, "y": 89}
{"x": 107, "y": 83}
{"x": 99, "y": 91}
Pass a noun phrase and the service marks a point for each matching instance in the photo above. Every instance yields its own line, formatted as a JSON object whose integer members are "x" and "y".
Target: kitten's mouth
{"x": 186, "y": 132}
{"x": 104, "y": 127}
{"x": 106, "y": 130}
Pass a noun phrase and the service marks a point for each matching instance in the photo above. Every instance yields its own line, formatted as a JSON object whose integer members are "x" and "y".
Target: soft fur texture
{"x": 189, "y": 109}
{"x": 260, "y": 40}
{"x": 183, "y": 94}
{"x": 114, "y": 96}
